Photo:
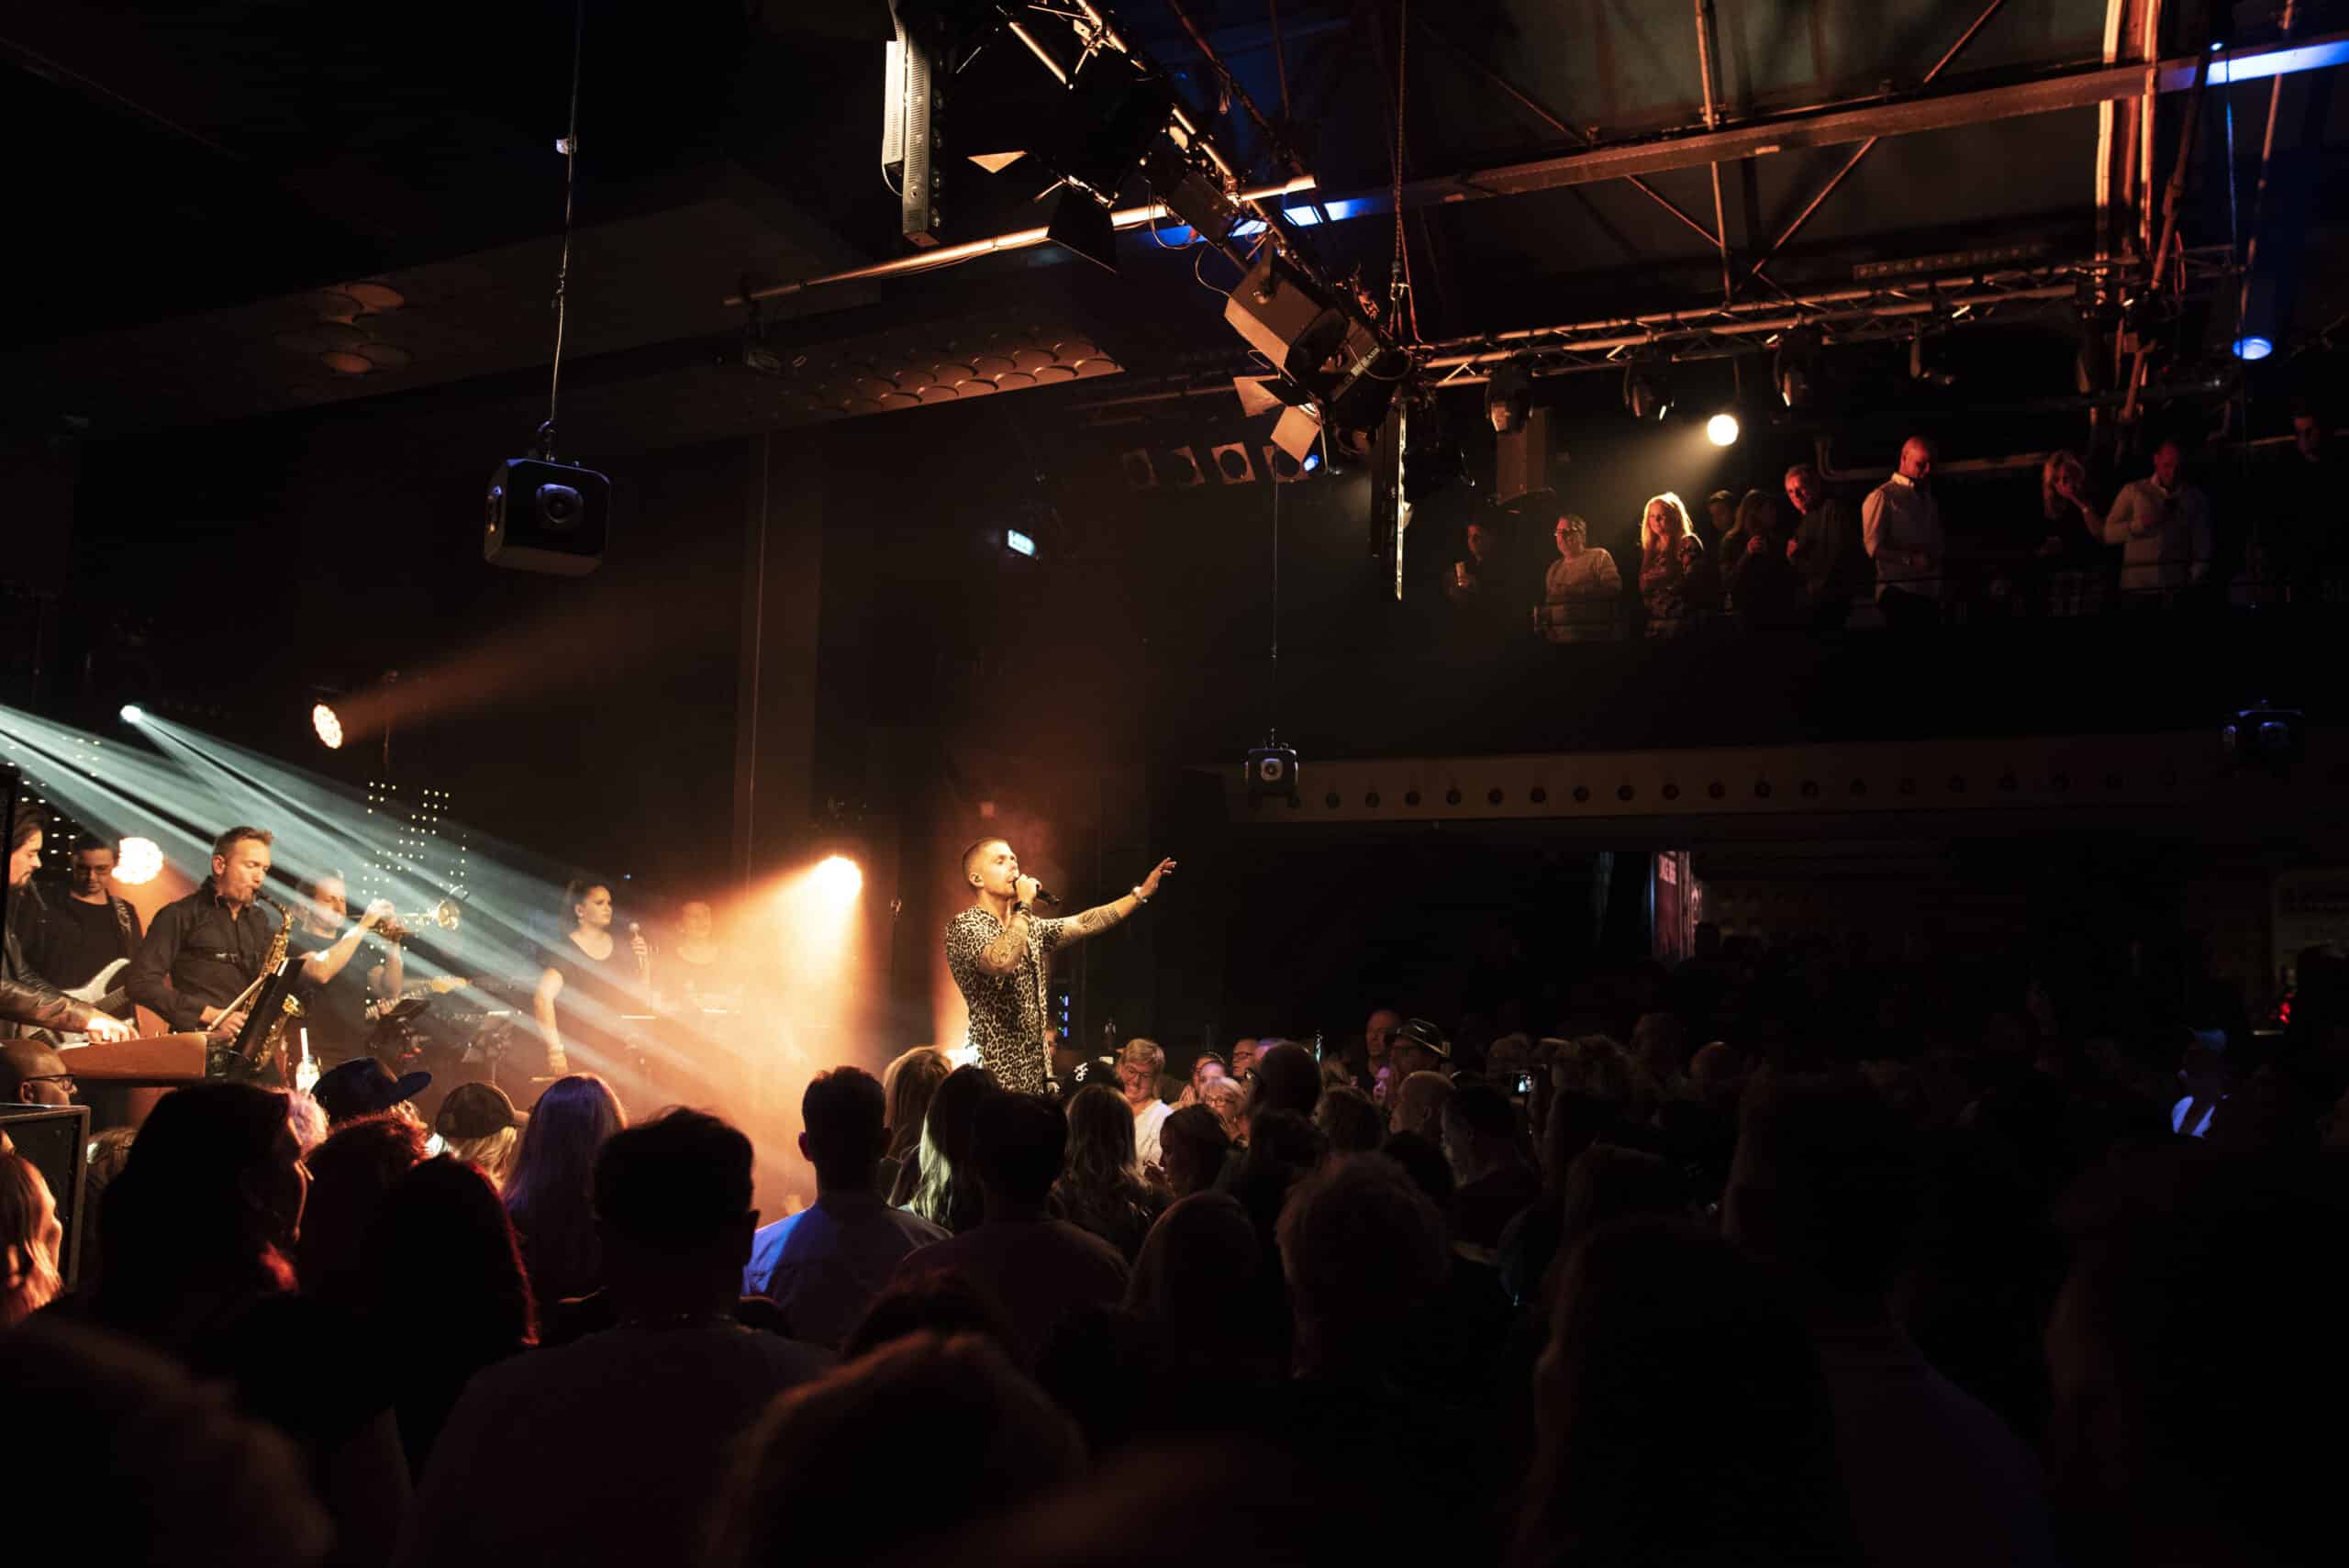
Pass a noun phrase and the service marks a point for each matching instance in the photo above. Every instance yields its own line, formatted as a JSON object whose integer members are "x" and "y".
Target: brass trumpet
{"x": 447, "y": 915}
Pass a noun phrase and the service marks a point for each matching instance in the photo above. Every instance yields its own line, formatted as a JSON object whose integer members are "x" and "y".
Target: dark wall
{"x": 231, "y": 577}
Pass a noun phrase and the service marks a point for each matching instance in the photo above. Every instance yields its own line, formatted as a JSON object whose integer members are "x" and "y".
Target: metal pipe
{"x": 1019, "y": 30}
{"x": 1713, "y": 122}
{"x": 1868, "y": 146}
{"x": 1018, "y": 240}
{"x": 1263, "y": 127}
{"x": 1533, "y": 107}
{"x": 2259, "y": 191}
{"x": 1741, "y": 325}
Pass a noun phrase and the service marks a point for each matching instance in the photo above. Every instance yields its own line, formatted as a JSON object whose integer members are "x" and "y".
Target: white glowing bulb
{"x": 142, "y": 861}
{"x": 1722, "y": 429}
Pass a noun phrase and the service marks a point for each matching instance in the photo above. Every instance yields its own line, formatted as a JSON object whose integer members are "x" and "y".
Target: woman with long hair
{"x": 547, "y": 1192}
{"x": 1674, "y": 584}
{"x": 2072, "y": 525}
{"x": 202, "y": 1220}
{"x": 446, "y": 1291}
{"x": 906, "y": 1085}
{"x": 1101, "y": 1187}
{"x": 30, "y": 1239}
{"x": 948, "y": 1193}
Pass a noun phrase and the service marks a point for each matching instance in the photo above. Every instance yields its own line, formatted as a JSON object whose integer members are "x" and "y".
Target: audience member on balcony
{"x": 1763, "y": 585}
{"x": 2161, "y": 524}
{"x": 1485, "y": 583}
{"x": 1827, "y": 549}
{"x": 1719, "y": 521}
{"x": 2071, "y": 520}
{"x": 1675, "y": 583}
{"x": 1901, "y": 524}
{"x": 1583, "y": 589}
{"x": 2304, "y": 537}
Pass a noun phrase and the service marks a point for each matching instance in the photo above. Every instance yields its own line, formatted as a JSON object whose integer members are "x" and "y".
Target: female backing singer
{"x": 589, "y": 980}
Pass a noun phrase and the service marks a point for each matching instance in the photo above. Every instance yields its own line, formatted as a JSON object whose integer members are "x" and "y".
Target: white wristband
{"x": 1140, "y": 897}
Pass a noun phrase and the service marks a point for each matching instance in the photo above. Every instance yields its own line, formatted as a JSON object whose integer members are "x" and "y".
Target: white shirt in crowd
{"x": 1899, "y": 519}
{"x": 824, "y": 1265}
{"x": 2163, "y": 534}
{"x": 1147, "y": 1122}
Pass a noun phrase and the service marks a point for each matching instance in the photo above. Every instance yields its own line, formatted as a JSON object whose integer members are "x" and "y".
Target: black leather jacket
{"x": 27, "y": 1001}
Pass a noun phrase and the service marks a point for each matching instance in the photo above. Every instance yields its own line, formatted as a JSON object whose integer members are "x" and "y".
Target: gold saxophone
{"x": 269, "y": 1046}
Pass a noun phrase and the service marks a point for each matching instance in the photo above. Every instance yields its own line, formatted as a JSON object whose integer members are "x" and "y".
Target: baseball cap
{"x": 1423, "y": 1034}
{"x": 474, "y": 1110}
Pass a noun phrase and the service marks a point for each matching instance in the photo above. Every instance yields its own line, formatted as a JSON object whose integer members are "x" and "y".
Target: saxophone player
{"x": 203, "y": 949}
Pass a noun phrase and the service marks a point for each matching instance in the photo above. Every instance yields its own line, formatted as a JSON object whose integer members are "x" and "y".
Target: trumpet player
{"x": 333, "y": 997}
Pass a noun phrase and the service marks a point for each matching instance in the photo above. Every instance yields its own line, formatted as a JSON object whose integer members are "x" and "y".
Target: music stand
{"x": 269, "y": 1003}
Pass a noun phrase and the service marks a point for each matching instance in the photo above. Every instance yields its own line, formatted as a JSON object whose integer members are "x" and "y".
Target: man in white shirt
{"x": 1901, "y": 525}
{"x": 2162, "y": 526}
{"x": 1138, "y": 1066}
{"x": 824, "y": 1265}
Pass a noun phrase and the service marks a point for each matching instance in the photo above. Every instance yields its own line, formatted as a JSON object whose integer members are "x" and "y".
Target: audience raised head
{"x": 1349, "y": 1121}
{"x": 31, "y": 1241}
{"x": 1140, "y": 1065}
{"x": 1102, "y": 1188}
{"x": 824, "y": 1265}
{"x": 948, "y": 1195}
{"x": 141, "y": 1464}
{"x": 1037, "y": 1269}
{"x": 547, "y": 1190}
{"x": 1681, "y": 1413}
{"x": 478, "y": 1124}
{"x": 806, "y": 1472}
{"x": 1227, "y": 1099}
{"x": 1287, "y": 1079}
{"x": 1192, "y": 1149}
{"x": 447, "y": 1295}
{"x": 1362, "y": 1249}
{"x": 350, "y": 1174}
{"x": 1493, "y": 1179}
{"x": 1418, "y": 1105}
{"x": 1825, "y": 1187}
{"x": 200, "y": 1221}
{"x": 646, "y": 1410}
{"x": 906, "y": 1085}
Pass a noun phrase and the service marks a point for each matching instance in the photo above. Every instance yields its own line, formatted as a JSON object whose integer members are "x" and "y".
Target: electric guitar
{"x": 100, "y": 992}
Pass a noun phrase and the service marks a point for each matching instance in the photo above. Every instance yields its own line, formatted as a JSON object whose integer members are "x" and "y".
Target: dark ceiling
{"x": 209, "y": 183}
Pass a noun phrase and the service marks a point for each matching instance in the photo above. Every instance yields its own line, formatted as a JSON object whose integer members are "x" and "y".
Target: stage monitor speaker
{"x": 546, "y": 517}
{"x": 1522, "y": 455}
{"x": 56, "y": 1139}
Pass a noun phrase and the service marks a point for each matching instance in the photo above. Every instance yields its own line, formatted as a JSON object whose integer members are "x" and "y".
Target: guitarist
{"x": 74, "y": 940}
{"x": 26, "y": 999}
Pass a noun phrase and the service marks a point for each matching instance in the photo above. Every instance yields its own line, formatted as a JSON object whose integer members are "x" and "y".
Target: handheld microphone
{"x": 1046, "y": 896}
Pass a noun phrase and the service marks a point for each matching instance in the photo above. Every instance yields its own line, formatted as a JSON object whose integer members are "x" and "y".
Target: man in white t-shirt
{"x": 1138, "y": 1065}
{"x": 2163, "y": 524}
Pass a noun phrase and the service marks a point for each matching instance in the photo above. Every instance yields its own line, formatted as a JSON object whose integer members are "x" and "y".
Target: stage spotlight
{"x": 1508, "y": 391}
{"x": 1647, "y": 397}
{"x": 1187, "y": 469}
{"x": 141, "y": 863}
{"x": 133, "y": 714}
{"x": 1231, "y": 464}
{"x": 1795, "y": 369}
{"x": 2252, "y": 348}
{"x": 329, "y": 727}
{"x": 1927, "y": 364}
{"x": 1722, "y": 429}
{"x": 838, "y": 879}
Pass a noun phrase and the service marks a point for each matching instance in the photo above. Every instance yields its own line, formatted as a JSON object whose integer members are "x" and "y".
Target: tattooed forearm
{"x": 1002, "y": 955}
{"x": 1100, "y": 917}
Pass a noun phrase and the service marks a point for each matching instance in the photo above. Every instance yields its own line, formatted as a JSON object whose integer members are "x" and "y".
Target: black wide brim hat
{"x": 364, "y": 1086}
